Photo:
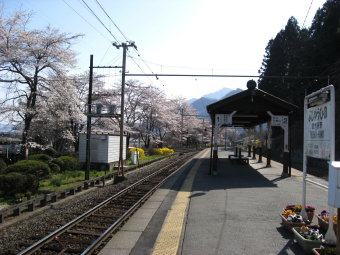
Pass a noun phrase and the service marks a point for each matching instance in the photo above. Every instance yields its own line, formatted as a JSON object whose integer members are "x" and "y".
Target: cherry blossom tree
{"x": 27, "y": 59}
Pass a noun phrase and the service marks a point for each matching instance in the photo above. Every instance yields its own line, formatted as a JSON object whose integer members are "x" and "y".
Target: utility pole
{"x": 88, "y": 127}
{"x": 125, "y": 46}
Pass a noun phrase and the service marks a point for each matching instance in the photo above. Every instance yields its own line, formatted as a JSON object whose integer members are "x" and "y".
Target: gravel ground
{"x": 15, "y": 237}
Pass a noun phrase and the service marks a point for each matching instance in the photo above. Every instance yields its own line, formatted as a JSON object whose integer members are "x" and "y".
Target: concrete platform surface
{"x": 234, "y": 212}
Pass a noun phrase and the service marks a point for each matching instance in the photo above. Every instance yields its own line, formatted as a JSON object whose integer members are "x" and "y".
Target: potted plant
{"x": 298, "y": 208}
{"x": 323, "y": 220}
{"x": 310, "y": 212}
{"x": 308, "y": 237}
{"x": 290, "y": 219}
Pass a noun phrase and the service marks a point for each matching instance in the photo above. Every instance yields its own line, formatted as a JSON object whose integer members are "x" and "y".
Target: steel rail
{"x": 118, "y": 222}
{"x": 37, "y": 245}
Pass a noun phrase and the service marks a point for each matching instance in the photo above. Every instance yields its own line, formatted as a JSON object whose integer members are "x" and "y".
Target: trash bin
{"x": 135, "y": 157}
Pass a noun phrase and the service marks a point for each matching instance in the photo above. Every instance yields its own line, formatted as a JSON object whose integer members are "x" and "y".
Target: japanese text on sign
{"x": 280, "y": 121}
{"x": 223, "y": 119}
{"x": 317, "y": 123}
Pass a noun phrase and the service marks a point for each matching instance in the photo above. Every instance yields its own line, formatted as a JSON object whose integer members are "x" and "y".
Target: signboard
{"x": 223, "y": 119}
{"x": 280, "y": 121}
{"x": 318, "y": 130}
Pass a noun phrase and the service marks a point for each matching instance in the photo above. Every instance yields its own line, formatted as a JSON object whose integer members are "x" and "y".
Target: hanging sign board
{"x": 318, "y": 118}
{"x": 280, "y": 121}
{"x": 223, "y": 119}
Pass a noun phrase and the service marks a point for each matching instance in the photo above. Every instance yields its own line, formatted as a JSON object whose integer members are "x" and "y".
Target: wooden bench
{"x": 241, "y": 160}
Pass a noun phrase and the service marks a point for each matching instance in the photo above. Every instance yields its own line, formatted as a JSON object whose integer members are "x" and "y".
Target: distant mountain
{"x": 218, "y": 94}
{"x": 233, "y": 92}
{"x": 201, "y": 104}
{"x": 190, "y": 101}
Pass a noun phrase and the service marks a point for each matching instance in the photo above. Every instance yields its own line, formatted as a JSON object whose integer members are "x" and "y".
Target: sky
{"x": 191, "y": 37}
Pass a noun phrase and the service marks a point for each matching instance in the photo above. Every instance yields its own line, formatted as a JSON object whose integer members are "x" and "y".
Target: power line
{"x": 101, "y": 7}
{"x": 230, "y": 76}
{"x": 89, "y": 8}
{"x": 87, "y": 21}
{"x": 310, "y": 6}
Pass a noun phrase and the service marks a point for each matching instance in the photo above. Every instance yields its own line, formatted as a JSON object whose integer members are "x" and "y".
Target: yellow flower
{"x": 304, "y": 228}
{"x": 288, "y": 212}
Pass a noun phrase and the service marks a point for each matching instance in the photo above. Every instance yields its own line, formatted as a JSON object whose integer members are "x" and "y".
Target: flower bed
{"x": 308, "y": 237}
{"x": 298, "y": 208}
{"x": 291, "y": 221}
{"x": 291, "y": 216}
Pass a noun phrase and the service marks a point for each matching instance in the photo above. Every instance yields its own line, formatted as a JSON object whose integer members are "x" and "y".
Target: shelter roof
{"x": 251, "y": 107}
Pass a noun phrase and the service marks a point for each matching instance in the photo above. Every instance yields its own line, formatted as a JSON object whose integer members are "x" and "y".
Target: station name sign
{"x": 318, "y": 128}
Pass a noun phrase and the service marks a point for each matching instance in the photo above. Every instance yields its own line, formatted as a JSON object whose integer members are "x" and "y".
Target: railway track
{"x": 86, "y": 233}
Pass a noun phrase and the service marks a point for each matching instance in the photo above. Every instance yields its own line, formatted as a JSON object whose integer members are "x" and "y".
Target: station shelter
{"x": 248, "y": 109}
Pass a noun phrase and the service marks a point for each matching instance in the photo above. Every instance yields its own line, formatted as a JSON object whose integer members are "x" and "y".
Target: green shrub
{"x": 69, "y": 163}
{"x": 59, "y": 162}
{"x": 41, "y": 157}
{"x": 14, "y": 183}
{"x": 54, "y": 167}
{"x": 3, "y": 165}
{"x": 51, "y": 152}
{"x": 37, "y": 168}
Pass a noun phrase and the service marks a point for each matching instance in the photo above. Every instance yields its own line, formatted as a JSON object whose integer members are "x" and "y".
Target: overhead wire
{"x": 125, "y": 37}
{"x": 86, "y": 21}
{"x": 101, "y": 22}
{"x": 310, "y": 6}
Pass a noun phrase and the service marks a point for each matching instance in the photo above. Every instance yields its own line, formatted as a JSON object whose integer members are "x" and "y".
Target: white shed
{"x": 104, "y": 147}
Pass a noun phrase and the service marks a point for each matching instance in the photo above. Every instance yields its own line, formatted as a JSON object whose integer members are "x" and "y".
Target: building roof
{"x": 251, "y": 107}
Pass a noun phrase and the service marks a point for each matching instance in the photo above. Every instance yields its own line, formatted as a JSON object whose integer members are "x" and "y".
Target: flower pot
{"x": 289, "y": 225}
{"x": 310, "y": 216}
{"x": 324, "y": 224}
{"x": 306, "y": 245}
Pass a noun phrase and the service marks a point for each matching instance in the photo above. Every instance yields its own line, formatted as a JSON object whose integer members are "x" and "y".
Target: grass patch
{"x": 67, "y": 179}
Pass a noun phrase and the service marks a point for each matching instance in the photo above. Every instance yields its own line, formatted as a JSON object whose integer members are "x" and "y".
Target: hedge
{"x": 41, "y": 157}
{"x": 13, "y": 183}
{"x": 37, "y": 168}
{"x": 69, "y": 163}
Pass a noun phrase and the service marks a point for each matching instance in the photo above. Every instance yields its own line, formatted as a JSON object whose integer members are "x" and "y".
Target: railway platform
{"x": 233, "y": 212}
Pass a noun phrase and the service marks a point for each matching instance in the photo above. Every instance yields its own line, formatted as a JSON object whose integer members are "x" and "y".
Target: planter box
{"x": 324, "y": 224}
{"x": 289, "y": 225}
{"x": 306, "y": 245}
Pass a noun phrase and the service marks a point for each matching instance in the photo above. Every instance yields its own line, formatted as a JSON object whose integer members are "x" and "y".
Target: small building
{"x": 104, "y": 149}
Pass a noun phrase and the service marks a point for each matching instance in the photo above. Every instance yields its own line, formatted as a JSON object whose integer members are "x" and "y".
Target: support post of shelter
{"x": 249, "y": 150}
{"x": 260, "y": 144}
{"x": 215, "y": 151}
{"x": 211, "y": 150}
{"x": 269, "y": 144}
